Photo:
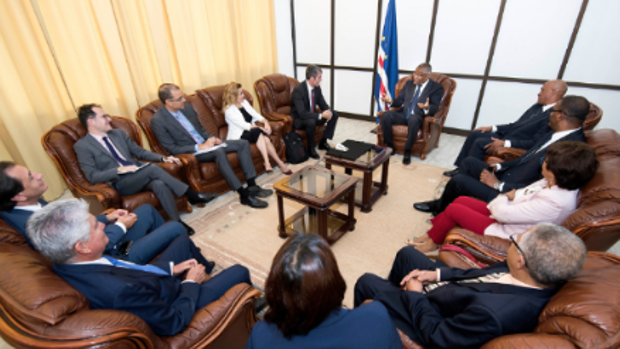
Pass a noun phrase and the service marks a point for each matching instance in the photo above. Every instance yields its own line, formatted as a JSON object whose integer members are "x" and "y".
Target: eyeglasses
{"x": 557, "y": 111}
{"x": 519, "y": 248}
{"x": 178, "y": 99}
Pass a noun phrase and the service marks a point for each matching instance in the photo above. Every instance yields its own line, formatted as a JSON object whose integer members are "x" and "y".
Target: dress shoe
{"x": 259, "y": 192}
{"x": 253, "y": 202}
{"x": 313, "y": 154}
{"x": 210, "y": 266}
{"x": 427, "y": 206}
{"x": 451, "y": 173}
{"x": 407, "y": 157}
{"x": 201, "y": 198}
{"x": 288, "y": 173}
{"x": 324, "y": 146}
{"x": 190, "y": 230}
{"x": 260, "y": 304}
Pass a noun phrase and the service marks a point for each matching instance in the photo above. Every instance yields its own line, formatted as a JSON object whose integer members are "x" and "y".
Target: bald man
{"x": 523, "y": 133}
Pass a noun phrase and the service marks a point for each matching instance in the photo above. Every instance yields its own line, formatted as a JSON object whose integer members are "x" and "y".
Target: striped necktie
{"x": 493, "y": 277}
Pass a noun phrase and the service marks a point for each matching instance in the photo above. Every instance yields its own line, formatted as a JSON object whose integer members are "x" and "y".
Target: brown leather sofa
{"x": 594, "y": 117}
{"x": 596, "y": 219}
{"x": 206, "y": 177}
{"x": 274, "y": 96}
{"x": 428, "y": 135}
{"x": 59, "y": 141}
{"x": 38, "y": 309}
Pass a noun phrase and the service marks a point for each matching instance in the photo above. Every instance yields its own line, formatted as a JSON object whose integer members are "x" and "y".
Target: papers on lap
{"x": 136, "y": 170}
{"x": 210, "y": 149}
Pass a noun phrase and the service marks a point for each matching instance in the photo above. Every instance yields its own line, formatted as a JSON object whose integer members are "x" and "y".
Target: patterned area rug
{"x": 230, "y": 233}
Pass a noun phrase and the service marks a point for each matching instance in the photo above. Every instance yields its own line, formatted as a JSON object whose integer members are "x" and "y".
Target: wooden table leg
{"x": 384, "y": 177}
{"x": 352, "y": 209}
{"x": 282, "y": 227}
{"x": 366, "y": 191}
{"x": 322, "y": 218}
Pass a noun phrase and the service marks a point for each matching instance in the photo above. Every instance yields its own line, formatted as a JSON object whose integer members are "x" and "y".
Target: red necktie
{"x": 312, "y": 103}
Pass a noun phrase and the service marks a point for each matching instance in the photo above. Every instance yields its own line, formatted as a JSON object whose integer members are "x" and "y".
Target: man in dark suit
{"x": 479, "y": 180}
{"x": 442, "y": 307}
{"x": 165, "y": 294}
{"x": 523, "y": 133}
{"x": 304, "y": 100}
{"x": 138, "y": 236}
{"x": 179, "y": 131}
{"x": 109, "y": 156}
{"x": 418, "y": 98}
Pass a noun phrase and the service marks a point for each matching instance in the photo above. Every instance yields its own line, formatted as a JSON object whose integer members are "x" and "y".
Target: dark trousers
{"x": 474, "y": 146}
{"x": 391, "y": 118}
{"x": 407, "y": 260}
{"x": 467, "y": 183}
{"x": 242, "y": 148}
{"x": 309, "y": 125}
{"x": 155, "y": 179}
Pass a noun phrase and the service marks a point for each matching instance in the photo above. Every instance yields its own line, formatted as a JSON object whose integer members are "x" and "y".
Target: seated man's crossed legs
{"x": 309, "y": 125}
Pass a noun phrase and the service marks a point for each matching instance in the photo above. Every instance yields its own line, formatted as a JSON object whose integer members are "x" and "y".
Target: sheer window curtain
{"x": 56, "y": 55}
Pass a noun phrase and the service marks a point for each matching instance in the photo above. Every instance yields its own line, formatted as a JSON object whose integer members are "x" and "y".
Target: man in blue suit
{"x": 442, "y": 307}
{"x": 523, "y": 133}
{"x": 479, "y": 180}
{"x": 138, "y": 236}
{"x": 165, "y": 294}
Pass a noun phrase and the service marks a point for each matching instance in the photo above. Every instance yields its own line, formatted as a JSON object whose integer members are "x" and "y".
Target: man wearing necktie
{"x": 305, "y": 99}
{"x": 442, "y": 307}
{"x": 165, "y": 294}
{"x": 479, "y": 180}
{"x": 418, "y": 98}
{"x": 523, "y": 133}
{"x": 109, "y": 156}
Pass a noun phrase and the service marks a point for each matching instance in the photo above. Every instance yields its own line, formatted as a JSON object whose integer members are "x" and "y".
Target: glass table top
{"x": 316, "y": 183}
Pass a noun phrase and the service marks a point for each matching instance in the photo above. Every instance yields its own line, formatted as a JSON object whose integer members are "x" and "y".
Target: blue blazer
{"x": 433, "y": 91}
{"x": 17, "y": 218}
{"x": 525, "y": 132}
{"x": 466, "y": 315}
{"x": 162, "y": 301}
{"x": 368, "y": 326}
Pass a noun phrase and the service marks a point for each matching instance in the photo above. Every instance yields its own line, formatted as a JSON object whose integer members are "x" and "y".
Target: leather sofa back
{"x": 274, "y": 92}
{"x": 212, "y": 99}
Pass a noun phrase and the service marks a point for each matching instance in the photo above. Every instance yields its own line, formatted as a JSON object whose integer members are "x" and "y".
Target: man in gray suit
{"x": 109, "y": 156}
{"x": 179, "y": 131}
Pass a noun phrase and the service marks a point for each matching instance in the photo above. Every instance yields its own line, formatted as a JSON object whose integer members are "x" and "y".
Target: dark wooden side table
{"x": 318, "y": 189}
{"x": 367, "y": 163}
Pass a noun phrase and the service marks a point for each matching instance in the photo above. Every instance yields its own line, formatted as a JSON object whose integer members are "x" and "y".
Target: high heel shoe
{"x": 268, "y": 170}
{"x": 288, "y": 173}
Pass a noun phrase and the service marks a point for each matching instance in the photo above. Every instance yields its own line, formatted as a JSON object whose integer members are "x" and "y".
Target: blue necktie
{"x": 115, "y": 154}
{"x": 415, "y": 100}
{"x": 147, "y": 268}
{"x": 534, "y": 151}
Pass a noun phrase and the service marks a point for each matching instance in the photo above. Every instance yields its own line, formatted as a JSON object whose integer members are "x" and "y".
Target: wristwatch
{"x": 497, "y": 185}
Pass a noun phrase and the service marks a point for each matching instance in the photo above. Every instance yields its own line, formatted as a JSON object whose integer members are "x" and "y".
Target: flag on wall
{"x": 387, "y": 67}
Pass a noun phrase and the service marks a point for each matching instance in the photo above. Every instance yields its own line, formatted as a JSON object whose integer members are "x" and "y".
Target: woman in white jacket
{"x": 567, "y": 166}
{"x": 241, "y": 119}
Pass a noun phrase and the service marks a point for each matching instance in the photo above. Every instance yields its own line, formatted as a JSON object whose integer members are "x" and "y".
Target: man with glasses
{"x": 109, "y": 156}
{"x": 418, "y": 98}
{"x": 442, "y": 307}
{"x": 479, "y": 180}
{"x": 179, "y": 131}
{"x": 522, "y": 133}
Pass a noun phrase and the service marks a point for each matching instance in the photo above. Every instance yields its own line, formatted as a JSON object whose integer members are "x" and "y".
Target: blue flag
{"x": 387, "y": 67}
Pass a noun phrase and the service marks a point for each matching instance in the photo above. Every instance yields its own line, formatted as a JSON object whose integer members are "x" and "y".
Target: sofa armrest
{"x": 486, "y": 249}
{"x": 103, "y": 192}
{"x": 508, "y": 154}
{"x": 173, "y": 169}
{"x": 211, "y": 321}
{"x": 529, "y": 340}
{"x": 277, "y": 128}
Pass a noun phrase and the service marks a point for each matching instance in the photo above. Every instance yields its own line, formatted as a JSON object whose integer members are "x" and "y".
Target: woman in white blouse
{"x": 567, "y": 166}
{"x": 241, "y": 119}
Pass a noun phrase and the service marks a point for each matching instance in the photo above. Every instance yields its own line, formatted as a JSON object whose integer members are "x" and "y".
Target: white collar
{"x": 546, "y": 107}
{"x": 32, "y": 208}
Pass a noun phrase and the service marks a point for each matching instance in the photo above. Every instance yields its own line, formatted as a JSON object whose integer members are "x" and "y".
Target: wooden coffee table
{"x": 318, "y": 189}
{"x": 367, "y": 163}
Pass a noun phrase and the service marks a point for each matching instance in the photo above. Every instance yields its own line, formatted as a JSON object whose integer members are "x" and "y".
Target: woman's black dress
{"x": 253, "y": 134}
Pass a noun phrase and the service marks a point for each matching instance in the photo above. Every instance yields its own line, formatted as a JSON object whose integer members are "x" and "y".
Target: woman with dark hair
{"x": 304, "y": 292}
{"x": 242, "y": 118}
{"x": 567, "y": 167}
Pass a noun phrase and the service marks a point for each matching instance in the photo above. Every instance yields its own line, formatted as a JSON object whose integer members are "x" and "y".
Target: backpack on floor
{"x": 295, "y": 151}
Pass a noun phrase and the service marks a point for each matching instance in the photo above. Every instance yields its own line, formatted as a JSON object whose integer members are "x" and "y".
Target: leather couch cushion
{"x": 605, "y": 185}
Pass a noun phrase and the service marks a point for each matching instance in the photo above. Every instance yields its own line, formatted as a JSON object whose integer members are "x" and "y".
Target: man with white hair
{"x": 442, "y": 307}
{"x": 165, "y": 294}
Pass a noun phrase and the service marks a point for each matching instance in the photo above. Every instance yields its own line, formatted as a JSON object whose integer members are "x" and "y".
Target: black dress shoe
{"x": 427, "y": 206}
{"x": 210, "y": 266}
{"x": 190, "y": 230}
{"x": 201, "y": 198}
{"x": 260, "y": 304}
{"x": 324, "y": 146}
{"x": 407, "y": 157}
{"x": 259, "y": 192}
{"x": 313, "y": 154}
{"x": 451, "y": 173}
{"x": 253, "y": 202}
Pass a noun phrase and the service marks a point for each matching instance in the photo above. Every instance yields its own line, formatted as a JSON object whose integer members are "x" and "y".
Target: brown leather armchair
{"x": 274, "y": 96}
{"x": 206, "y": 177}
{"x": 428, "y": 136}
{"x": 597, "y": 217}
{"x": 38, "y": 309}
{"x": 59, "y": 141}
{"x": 506, "y": 154}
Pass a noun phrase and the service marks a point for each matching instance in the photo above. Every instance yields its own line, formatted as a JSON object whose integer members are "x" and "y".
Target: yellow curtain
{"x": 56, "y": 55}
